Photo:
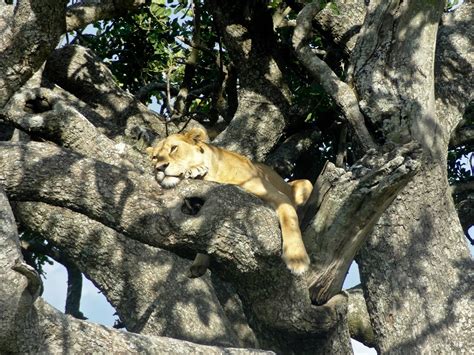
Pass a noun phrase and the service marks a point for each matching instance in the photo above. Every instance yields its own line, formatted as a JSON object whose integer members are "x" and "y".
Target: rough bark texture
{"x": 30, "y": 31}
{"x": 13, "y": 293}
{"x": 419, "y": 238}
{"x": 412, "y": 308}
{"x": 341, "y": 23}
{"x": 343, "y": 209}
{"x": 147, "y": 286}
{"x": 29, "y": 325}
{"x": 394, "y": 71}
{"x": 77, "y": 70}
{"x": 264, "y": 98}
{"x": 136, "y": 206}
{"x": 80, "y": 14}
{"x": 358, "y": 318}
{"x": 109, "y": 216}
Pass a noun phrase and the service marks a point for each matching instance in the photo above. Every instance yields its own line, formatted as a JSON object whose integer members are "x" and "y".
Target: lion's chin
{"x": 167, "y": 182}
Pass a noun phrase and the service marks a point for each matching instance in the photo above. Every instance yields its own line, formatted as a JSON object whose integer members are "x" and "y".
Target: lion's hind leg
{"x": 301, "y": 190}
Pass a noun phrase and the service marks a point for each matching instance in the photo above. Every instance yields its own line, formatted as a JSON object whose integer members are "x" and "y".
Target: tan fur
{"x": 189, "y": 156}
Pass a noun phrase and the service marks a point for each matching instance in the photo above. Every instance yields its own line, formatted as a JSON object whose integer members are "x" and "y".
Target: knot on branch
{"x": 192, "y": 205}
{"x": 37, "y": 105}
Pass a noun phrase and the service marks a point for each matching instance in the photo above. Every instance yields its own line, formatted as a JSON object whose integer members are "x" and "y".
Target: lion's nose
{"x": 162, "y": 167}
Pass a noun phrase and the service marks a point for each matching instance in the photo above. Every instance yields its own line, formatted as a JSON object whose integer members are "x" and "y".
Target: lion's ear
{"x": 149, "y": 151}
{"x": 197, "y": 135}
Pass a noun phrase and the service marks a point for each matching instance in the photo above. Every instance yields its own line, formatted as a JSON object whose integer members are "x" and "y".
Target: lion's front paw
{"x": 196, "y": 171}
{"x": 296, "y": 258}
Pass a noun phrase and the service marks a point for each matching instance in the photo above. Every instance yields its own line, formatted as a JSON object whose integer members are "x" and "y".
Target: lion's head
{"x": 179, "y": 156}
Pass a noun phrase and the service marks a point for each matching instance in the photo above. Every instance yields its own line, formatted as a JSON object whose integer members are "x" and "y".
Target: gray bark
{"x": 147, "y": 286}
{"x": 358, "y": 318}
{"x": 263, "y": 98}
{"x": 80, "y": 14}
{"x": 417, "y": 241}
{"x": 59, "y": 120}
{"x": 413, "y": 308}
{"x": 78, "y": 71}
{"x": 342, "y": 210}
{"x": 342, "y": 94}
{"x": 135, "y": 205}
{"x": 30, "y": 31}
{"x": 29, "y": 325}
{"x": 416, "y": 268}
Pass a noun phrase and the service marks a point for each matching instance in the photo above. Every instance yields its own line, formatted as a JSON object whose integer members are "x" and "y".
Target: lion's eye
{"x": 173, "y": 149}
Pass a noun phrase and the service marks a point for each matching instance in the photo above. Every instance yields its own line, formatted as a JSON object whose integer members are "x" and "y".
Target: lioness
{"x": 188, "y": 155}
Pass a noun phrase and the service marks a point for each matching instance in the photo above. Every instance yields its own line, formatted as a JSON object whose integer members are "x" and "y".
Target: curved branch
{"x": 340, "y": 92}
{"x": 358, "y": 318}
{"x": 53, "y": 119}
{"x": 62, "y": 333}
{"x": 147, "y": 286}
{"x": 77, "y": 70}
{"x": 136, "y": 206}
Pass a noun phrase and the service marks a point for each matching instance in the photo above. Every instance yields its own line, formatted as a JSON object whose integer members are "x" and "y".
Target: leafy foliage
{"x": 35, "y": 258}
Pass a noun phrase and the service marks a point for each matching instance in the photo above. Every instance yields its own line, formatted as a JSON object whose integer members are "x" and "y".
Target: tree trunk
{"x": 417, "y": 271}
{"x": 416, "y": 266}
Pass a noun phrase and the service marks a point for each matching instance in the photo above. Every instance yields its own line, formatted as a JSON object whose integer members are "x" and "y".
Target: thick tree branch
{"x": 61, "y": 333}
{"x": 341, "y": 22}
{"x": 454, "y": 69}
{"x": 77, "y": 70}
{"x": 135, "y": 205}
{"x": 344, "y": 207}
{"x": 147, "y": 286}
{"x": 21, "y": 317}
{"x": 358, "y": 318}
{"x": 20, "y": 284}
{"x": 45, "y": 113}
{"x": 454, "y": 81}
{"x": 264, "y": 97}
{"x": 340, "y": 92}
{"x": 30, "y": 31}
{"x": 82, "y": 13}
{"x": 397, "y": 93}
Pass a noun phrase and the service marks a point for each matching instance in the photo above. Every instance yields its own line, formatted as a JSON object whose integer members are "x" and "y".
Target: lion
{"x": 190, "y": 156}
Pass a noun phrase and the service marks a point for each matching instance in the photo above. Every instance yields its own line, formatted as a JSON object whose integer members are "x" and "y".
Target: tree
{"x": 76, "y": 185}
